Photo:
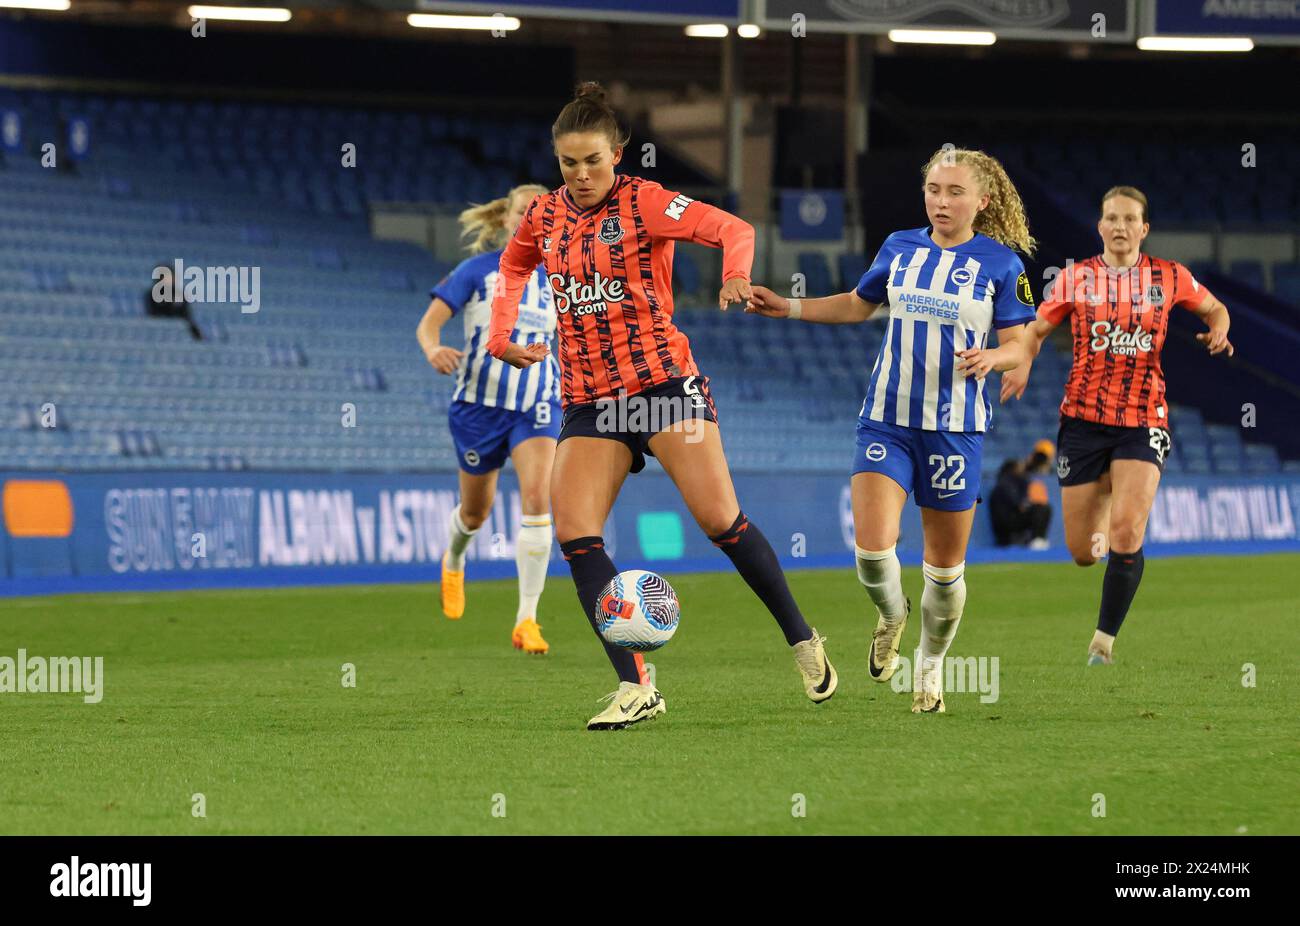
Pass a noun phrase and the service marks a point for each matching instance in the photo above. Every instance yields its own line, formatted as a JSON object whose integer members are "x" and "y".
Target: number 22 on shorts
{"x": 954, "y": 481}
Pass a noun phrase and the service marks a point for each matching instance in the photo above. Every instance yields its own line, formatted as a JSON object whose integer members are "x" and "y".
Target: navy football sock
{"x": 1123, "y": 573}
{"x": 592, "y": 570}
{"x": 757, "y": 564}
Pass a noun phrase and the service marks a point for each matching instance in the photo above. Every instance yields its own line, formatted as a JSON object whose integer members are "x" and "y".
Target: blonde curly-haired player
{"x": 947, "y": 286}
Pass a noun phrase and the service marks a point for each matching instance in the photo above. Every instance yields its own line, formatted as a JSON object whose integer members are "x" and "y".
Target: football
{"x": 638, "y": 611}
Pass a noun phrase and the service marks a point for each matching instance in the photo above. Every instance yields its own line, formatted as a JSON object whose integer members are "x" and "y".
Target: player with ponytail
{"x": 607, "y": 242}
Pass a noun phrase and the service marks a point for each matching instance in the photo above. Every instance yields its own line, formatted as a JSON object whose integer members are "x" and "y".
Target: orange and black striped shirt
{"x": 1119, "y": 318}
{"x": 610, "y": 269}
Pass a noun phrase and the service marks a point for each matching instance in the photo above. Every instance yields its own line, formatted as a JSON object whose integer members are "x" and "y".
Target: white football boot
{"x": 632, "y": 703}
{"x": 819, "y": 678}
{"x": 882, "y": 657}
{"x": 927, "y": 685}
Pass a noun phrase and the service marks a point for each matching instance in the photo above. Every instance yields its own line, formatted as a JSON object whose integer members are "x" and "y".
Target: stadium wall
{"x": 178, "y": 530}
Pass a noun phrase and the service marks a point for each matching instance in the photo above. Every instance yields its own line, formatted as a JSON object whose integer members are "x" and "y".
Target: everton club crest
{"x": 611, "y": 231}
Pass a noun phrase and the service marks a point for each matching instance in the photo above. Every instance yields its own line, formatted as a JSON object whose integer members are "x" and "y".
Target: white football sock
{"x": 532, "y": 556}
{"x": 458, "y": 538}
{"x": 941, "y": 607}
{"x": 879, "y": 573}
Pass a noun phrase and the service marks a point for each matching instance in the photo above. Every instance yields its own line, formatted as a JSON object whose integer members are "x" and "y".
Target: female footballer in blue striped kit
{"x": 497, "y": 411}
{"x": 922, "y": 421}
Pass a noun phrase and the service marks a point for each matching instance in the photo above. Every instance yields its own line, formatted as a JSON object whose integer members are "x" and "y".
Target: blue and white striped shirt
{"x": 941, "y": 300}
{"x": 483, "y": 379}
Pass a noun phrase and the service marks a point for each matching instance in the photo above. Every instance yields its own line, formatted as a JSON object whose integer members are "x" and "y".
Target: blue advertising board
{"x": 1265, "y": 21}
{"x": 210, "y": 529}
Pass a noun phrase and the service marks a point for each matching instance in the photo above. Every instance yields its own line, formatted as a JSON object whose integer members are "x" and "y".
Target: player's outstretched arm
{"x": 518, "y": 262}
{"x": 668, "y": 214}
{"x": 717, "y": 228}
{"x": 1030, "y": 338}
{"x": 843, "y": 309}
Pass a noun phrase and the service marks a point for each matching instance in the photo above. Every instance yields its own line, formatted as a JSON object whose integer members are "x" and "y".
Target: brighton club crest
{"x": 611, "y": 231}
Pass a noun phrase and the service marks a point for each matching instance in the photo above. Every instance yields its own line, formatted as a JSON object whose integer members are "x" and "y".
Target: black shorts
{"x": 634, "y": 419}
{"x": 1084, "y": 449}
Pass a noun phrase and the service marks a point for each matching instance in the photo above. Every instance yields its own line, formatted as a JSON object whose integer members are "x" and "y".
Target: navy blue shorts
{"x": 634, "y": 419}
{"x": 940, "y": 469}
{"x": 1084, "y": 449}
{"x": 485, "y": 435}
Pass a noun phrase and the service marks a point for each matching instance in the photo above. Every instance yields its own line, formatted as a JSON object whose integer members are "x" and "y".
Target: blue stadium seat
{"x": 686, "y": 274}
{"x": 816, "y": 272}
{"x": 1224, "y": 436}
{"x": 1261, "y": 459}
{"x": 851, "y": 266}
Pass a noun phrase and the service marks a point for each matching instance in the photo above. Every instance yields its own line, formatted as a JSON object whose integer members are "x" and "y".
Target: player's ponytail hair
{"x": 483, "y": 223}
{"x": 1003, "y": 219}
{"x": 588, "y": 112}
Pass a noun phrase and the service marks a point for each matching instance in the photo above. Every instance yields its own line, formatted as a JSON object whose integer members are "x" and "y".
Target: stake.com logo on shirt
{"x": 571, "y": 294}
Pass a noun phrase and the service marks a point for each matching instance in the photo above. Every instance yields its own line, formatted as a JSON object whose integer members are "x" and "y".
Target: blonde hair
{"x": 483, "y": 222}
{"x": 1131, "y": 192}
{"x": 1003, "y": 219}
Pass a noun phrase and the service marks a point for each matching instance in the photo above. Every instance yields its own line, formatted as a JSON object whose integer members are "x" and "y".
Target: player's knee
{"x": 1083, "y": 554}
{"x": 571, "y": 527}
{"x": 716, "y": 522}
{"x": 881, "y": 540}
{"x": 943, "y": 561}
{"x": 472, "y": 517}
{"x": 535, "y": 503}
{"x": 567, "y": 530}
{"x": 1125, "y": 537}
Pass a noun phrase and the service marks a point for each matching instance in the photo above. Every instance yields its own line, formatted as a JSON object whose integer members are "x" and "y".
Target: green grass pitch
{"x": 238, "y": 696}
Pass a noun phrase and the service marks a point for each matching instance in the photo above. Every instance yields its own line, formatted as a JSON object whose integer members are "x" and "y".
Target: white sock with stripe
{"x": 532, "y": 556}
{"x": 941, "y": 606}
{"x": 880, "y": 575}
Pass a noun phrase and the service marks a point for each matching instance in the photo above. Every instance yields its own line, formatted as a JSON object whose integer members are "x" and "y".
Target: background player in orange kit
{"x": 1114, "y": 434}
{"x": 607, "y": 243}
